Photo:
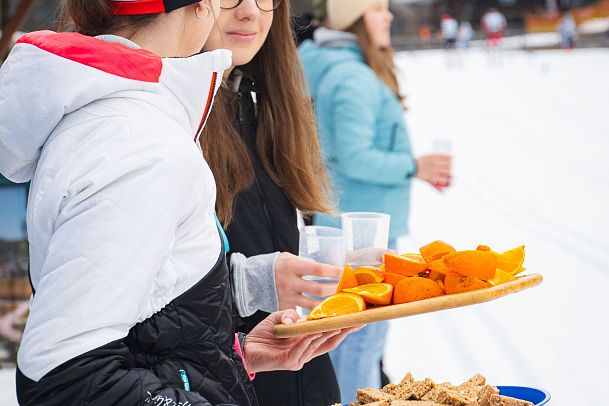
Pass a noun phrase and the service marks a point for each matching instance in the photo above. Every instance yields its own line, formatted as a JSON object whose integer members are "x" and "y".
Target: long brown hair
{"x": 380, "y": 60}
{"x": 286, "y": 140}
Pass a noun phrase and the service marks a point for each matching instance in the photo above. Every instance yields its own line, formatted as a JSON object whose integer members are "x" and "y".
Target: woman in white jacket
{"x": 131, "y": 299}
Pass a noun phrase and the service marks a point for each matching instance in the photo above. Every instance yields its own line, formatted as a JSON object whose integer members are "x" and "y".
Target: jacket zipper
{"x": 267, "y": 216}
{"x": 394, "y": 134}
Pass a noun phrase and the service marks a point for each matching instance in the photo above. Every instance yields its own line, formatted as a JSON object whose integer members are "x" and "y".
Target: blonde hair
{"x": 380, "y": 60}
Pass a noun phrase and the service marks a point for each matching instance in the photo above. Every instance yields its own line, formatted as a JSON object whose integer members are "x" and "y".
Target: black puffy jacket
{"x": 264, "y": 221}
{"x": 193, "y": 333}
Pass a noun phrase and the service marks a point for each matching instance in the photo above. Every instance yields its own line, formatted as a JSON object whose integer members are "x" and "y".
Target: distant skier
{"x": 567, "y": 28}
{"x": 466, "y": 33}
{"x": 493, "y": 25}
{"x": 450, "y": 29}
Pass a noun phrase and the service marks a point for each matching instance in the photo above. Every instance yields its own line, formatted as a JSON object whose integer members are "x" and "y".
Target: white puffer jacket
{"x": 121, "y": 211}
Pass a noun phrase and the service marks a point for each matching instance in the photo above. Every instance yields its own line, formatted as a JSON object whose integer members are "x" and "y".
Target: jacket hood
{"x": 49, "y": 75}
{"x": 330, "y": 48}
{"x": 332, "y": 38}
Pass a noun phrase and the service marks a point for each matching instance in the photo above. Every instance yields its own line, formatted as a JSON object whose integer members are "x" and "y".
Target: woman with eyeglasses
{"x": 261, "y": 144}
{"x": 132, "y": 302}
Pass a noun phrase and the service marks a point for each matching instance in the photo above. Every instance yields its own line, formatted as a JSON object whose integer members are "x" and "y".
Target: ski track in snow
{"x": 530, "y": 139}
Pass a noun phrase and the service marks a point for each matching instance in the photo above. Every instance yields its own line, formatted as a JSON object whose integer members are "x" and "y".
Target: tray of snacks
{"x": 437, "y": 278}
{"x": 474, "y": 392}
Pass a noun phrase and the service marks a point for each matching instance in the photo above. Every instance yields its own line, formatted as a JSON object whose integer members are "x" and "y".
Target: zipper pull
{"x": 185, "y": 380}
{"x": 239, "y": 97}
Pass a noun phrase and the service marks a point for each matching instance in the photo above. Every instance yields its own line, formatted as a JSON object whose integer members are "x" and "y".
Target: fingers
{"x": 315, "y": 288}
{"x": 300, "y": 267}
{"x": 331, "y": 342}
{"x": 321, "y": 270}
{"x": 286, "y": 317}
{"x": 313, "y": 351}
{"x": 295, "y": 354}
{"x": 367, "y": 255}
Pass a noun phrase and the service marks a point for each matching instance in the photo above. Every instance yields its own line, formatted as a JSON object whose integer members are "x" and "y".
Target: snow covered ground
{"x": 530, "y": 137}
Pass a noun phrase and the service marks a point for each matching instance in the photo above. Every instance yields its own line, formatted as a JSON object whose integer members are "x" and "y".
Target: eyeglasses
{"x": 263, "y": 5}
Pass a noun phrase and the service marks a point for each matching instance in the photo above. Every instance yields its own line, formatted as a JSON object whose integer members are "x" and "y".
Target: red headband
{"x": 136, "y": 7}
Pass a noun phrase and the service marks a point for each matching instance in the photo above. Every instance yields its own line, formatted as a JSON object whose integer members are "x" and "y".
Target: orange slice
{"x": 501, "y": 277}
{"x": 347, "y": 279}
{"x": 435, "y": 276}
{"x": 511, "y": 261}
{"x": 477, "y": 264}
{"x": 338, "y": 305}
{"x": 393, "y": 278}
{"x": 435, "y": 250}
{"x": 406, "y": 264}
{"x": 374, "y": 293}
{"x": 483, "y": 248}
{"x": 416, "y": 288}
{"x": 368, "y": 274}
{"x": 438, "y": 266}
{"x": 455, "y": 283}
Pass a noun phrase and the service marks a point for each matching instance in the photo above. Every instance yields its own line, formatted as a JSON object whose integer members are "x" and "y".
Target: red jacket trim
{"x": 115, "y": 59}
{"x": 208, "y": 104}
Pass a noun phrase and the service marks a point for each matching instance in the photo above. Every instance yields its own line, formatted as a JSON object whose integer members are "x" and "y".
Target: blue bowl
{"x": 536, "y": 396}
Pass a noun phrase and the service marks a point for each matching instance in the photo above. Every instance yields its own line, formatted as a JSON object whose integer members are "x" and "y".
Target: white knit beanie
{"x": 343, "y": 13}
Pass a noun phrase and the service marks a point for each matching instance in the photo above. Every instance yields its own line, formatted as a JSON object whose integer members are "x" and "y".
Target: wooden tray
{"x": 409, "y": 309}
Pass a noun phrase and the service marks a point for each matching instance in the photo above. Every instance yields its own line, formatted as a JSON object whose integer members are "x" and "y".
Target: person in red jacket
{"x": 494, "y": 25}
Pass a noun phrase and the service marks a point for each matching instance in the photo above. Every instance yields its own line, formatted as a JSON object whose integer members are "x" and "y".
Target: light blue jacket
{"x": 362, "y": 132}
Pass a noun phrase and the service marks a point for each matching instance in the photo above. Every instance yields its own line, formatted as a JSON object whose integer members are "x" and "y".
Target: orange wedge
{"x": 374, "y": 293}
{"x": 406, "y": 264}
{"x": 338, "y": 305}
{"x": 501, "y": 277}
{"x": 368, "y": 274}
{"x": 483, "y": 248}
{"x": 435, "y": 250}
{"x": 416, "y": 288}
{"x": 393, "y": 278}
{"x": 455, "y": 283}
{"x": 438, "y": 266}
{"x": 477, "y": 264}
{"x": 347, "y": 279}
{"x": 435, "y": 276}
{"x": 511, "y": 261}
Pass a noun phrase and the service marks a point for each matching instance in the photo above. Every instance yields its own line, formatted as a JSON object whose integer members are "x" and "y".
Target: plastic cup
{"x": 365, "y": 230}
{"x": 442, "y": 146}
{"x": 325, "y": 245}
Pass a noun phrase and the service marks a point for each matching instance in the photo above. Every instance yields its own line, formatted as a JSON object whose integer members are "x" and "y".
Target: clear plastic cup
{"x": 325, "y": 245}
{"x": 442, "y": 146}
{"x": 365, "y": 230}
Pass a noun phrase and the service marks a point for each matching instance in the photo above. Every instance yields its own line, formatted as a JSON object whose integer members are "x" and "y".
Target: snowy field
{"x": 530, "y": 137}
